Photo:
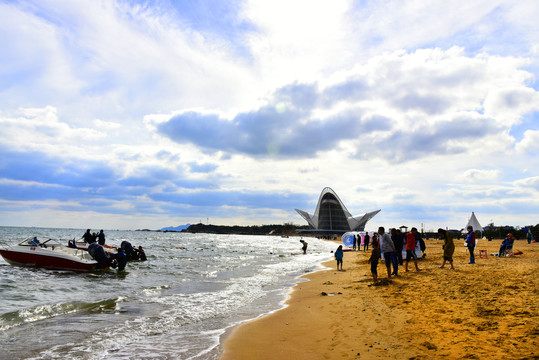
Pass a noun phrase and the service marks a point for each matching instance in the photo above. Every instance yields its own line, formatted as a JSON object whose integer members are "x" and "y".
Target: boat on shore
{"x": 50, "y": 254}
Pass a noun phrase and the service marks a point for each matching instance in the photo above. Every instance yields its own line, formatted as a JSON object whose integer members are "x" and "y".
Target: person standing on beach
{"x": 410, "y": 249}
{"x": 375, "y": 256}
{"x": 388, "y": 248}
{"x": 470, "y": 243}
{"x": 355, "y": 243}
{"x": 304, "y": 247}
{"x": 398, "y": 240}
{"x": 366, "y": 241}
{"x": 339, "y": 254}
{"x": 419, "y": 239}
{"x": 449, "y": 247}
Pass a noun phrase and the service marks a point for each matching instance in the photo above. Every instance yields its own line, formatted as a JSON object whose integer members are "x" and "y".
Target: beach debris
{"x": 429, "y": 345}
{"x": 381, "y": 282}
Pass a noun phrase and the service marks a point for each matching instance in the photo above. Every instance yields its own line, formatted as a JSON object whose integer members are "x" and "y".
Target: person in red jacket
{"x": 410, "y": 249}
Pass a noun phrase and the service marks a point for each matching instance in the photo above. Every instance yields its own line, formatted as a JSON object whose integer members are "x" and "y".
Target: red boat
{"x": 49, "y": 254}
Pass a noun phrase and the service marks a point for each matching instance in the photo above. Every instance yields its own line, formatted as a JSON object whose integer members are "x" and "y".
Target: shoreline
{"x": 465, "y": 313}
{"x": 324, "y": 265}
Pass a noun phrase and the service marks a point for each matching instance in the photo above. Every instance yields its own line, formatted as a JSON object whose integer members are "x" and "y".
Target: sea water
{"x": 176, "y": 305}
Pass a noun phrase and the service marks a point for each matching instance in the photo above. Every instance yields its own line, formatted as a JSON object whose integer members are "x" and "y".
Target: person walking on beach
{"x": 304, "y": 248}
{"x": 366, "y": 241}
{"x": 449, "y": 247}
{"x": 375, "y": 256}
{"x": 388, "y": 248}
{"x": 419, "y": 239}
{"x": 470, "y": 243}
{"x": 410, "y": 249}
{"x": 339, "y": 254}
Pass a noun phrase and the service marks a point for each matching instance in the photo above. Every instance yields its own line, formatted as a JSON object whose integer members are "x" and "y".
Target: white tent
{"x": 474, "y": 223}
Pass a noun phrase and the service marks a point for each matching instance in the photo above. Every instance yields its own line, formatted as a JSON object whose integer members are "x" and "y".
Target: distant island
{"x": 276, "y": 229}
{"x": 175, "y": 228}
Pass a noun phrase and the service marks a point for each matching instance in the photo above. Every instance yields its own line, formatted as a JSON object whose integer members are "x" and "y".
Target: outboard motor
{"x": 121, "y": 258}
{"x": 99, "y": 255}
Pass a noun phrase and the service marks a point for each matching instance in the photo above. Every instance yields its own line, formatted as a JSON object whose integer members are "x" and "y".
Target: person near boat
{"x": 101, "y": 238}
{"x": 99, "y": 255}
{"x": 88, "y": 237}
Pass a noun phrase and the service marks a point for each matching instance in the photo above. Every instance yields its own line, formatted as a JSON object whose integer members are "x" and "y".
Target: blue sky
{"x": 134, "y": 114}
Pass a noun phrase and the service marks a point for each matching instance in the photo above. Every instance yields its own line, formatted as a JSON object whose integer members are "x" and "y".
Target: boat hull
{"x": 33, "y": 257}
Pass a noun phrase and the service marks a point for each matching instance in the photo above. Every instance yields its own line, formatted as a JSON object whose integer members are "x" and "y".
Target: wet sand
{"x": 483, "y": 311}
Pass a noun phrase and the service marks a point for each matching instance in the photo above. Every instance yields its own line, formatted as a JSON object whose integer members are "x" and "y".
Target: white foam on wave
{"x": 196, "y": 294}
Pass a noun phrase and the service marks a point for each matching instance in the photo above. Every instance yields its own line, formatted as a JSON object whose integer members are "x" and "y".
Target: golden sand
{"x": 483, "y": 311}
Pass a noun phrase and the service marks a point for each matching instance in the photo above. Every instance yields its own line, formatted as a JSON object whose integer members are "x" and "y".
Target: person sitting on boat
{"x": 34, "y": 242}
{"x": 88, "y": 237}
{"x": 99, "y": 255}
{"x": 101, "y": 237}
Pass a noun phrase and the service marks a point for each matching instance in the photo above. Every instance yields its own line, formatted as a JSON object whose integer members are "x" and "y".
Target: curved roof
{"x": 331, "y": 214}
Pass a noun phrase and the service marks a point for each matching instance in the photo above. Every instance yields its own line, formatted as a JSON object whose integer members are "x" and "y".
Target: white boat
{"x": 50, "y": 254}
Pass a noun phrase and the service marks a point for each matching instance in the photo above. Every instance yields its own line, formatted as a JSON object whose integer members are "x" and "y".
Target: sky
{"x": 127, "y": 114}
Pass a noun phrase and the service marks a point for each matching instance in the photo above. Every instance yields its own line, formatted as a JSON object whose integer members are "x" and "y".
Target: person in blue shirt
{"x": 470, "y": 243}
{"x": 509, "y": 240}
{"x": 338, "y": 256}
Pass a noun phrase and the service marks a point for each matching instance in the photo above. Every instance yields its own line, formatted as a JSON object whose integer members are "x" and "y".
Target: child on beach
{"x": 449, "y": 247}
{"x": 375, "y": 256}
{"x": 338, "y": 256}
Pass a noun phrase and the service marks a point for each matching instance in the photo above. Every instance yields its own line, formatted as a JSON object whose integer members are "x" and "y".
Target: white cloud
{"x": 479, "y": 175}
{"x": 530, "y": 143}
{"x": 415, "y": 103}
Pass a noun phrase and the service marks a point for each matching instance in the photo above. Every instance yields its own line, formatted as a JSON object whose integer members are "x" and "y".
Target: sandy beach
{"x": 483, "y": 311}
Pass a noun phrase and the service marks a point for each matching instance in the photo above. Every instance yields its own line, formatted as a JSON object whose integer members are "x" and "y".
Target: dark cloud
{"x": 441, "y": 138}
{"x": 38, "y": 167}
{"x": 49, "y": 178}
{"x": 235, "y": 199}
{"x": 293, "y": 132}
{"x": 430, "y": 103}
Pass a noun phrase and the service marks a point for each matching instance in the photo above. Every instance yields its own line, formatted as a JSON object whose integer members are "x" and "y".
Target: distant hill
{"x": 175, "y": 228}
{"x": 286, "y": 229}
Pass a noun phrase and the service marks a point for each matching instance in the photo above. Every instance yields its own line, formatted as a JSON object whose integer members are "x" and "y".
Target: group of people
{"x": 126, "y": 252}
{"x": 392, "y": 248}
{"x": 91, "y": 238}
{"x": 366, "y": 241}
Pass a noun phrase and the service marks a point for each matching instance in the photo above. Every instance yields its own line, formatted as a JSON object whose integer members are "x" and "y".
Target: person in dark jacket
{"x": 398, "y": 240}
{"x": 101, "y": 238}
{"x": 88, "y": 237}
{"x": 339, "y": 254}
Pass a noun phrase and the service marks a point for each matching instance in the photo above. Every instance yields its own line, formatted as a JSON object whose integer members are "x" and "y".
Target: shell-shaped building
{"x": 331, "y": 216}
